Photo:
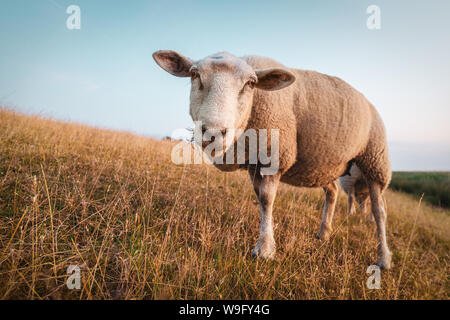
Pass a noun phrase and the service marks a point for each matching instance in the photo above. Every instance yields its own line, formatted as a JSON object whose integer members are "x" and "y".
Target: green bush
{"x": 435, "y": 186}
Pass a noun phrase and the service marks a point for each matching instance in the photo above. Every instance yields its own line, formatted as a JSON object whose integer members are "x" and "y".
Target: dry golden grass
{"x": 142, "y": 227}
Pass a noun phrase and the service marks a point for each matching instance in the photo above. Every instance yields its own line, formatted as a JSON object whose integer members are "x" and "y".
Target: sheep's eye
{"x": 194, "y": 74}
{"x": 251, "y": 83}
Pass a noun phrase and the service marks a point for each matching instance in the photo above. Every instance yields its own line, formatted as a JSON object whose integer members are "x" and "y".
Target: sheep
{"x": 324, "y": 126}
{"x": 356, "y": 189}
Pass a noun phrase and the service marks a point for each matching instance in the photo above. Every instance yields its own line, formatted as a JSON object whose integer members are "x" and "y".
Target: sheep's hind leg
{"x": 350, "y": 201}
{"x": 266, "y": 189}
{"x": 331, "y": 192}
{"x": 379, "y": 213}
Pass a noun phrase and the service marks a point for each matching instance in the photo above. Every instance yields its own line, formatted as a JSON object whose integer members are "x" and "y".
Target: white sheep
{"x": 323, "y": 123}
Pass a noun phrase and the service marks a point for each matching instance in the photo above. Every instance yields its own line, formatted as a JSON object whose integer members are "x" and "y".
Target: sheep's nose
{"x": 204, "y": 128}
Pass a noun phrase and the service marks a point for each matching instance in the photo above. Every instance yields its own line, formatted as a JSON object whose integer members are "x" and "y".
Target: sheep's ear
{"x": 274, "y": 79}
{"x": 173, "y": 62}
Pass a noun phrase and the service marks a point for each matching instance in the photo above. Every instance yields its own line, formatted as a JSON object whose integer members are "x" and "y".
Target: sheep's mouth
{"x": 217, "y": 139}
{"x": 214, "y": 141}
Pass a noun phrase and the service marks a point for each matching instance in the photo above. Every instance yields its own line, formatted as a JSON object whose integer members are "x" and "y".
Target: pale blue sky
{"x": 104, "y": 74}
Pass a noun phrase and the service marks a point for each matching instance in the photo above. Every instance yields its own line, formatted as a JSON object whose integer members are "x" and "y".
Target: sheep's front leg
{"x": 267, "y": 189}
{"x": 331, "y": 193}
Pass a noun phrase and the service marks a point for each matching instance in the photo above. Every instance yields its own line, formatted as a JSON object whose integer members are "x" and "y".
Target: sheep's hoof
{"x": 385, "y": 262}
{"x": 265, "y": 250}
{"x": 324, "y": 234}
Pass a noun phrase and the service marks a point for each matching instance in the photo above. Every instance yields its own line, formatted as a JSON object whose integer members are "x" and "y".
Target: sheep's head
{"x": 222, "y": 87}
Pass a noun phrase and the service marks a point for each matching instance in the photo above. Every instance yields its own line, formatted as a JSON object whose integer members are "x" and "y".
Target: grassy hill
{"x": 141, "y": 227}
{"x": 435, "y": 186}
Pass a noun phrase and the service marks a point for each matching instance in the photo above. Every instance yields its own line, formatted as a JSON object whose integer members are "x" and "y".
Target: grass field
{"x": 141, "y": 227}
{"x": 435, "y": 186}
